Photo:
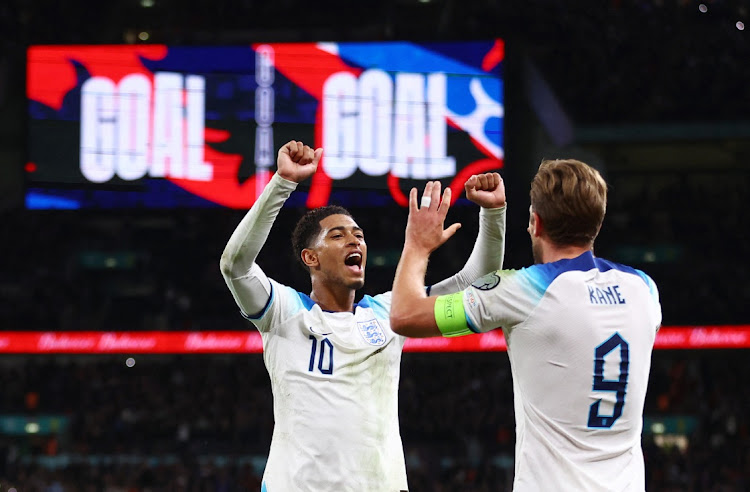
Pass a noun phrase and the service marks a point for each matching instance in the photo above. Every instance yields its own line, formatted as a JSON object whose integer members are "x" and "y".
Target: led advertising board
{"x": 165, "y": 126}
{"x": 232, "y": 342}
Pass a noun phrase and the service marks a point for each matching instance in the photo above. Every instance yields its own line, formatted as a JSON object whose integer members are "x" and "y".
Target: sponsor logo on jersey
{"x": 372, "y": 332}
{"x": 488, "y": 282}
{"x": 312, "y": 330}
{"x": 472, "y": 300}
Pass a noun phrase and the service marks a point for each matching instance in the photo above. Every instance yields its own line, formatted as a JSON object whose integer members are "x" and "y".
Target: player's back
{"x": 581, "y": 363}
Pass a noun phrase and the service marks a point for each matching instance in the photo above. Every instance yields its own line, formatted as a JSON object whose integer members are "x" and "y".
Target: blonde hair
{"x": 571, "y": 198}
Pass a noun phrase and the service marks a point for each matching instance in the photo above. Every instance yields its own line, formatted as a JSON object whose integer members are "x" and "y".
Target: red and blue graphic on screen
{"x": 158, "y": 126}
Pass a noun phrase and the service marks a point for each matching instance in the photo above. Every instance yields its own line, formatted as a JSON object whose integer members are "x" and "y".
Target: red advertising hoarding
{"x": 249, "y": 342}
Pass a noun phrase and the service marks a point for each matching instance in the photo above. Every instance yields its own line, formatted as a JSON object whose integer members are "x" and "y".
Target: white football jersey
{"x": 580, "y": 334}
{"x": 335, "y": 379}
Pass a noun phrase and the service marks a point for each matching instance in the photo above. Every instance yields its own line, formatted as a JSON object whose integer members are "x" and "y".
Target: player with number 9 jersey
{"x": 580, "y": 331}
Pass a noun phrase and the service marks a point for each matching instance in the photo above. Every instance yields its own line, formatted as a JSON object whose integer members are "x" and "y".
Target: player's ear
{"x": 536, "y": 225}
{"x": 309, "y": 257}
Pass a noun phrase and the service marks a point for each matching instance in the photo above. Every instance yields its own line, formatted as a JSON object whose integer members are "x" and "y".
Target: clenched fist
{"x": 297, "y": 161}
{"x": 486, "y": 190}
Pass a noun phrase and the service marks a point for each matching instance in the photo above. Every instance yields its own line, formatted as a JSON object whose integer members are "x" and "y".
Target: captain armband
{"x": 450, "y": 315}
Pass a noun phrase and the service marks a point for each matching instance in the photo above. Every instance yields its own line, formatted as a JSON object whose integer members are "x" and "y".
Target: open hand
{"x": 486, "y": 190}
{"x": 297, "y": 162}
{"x": 424, "y": 229}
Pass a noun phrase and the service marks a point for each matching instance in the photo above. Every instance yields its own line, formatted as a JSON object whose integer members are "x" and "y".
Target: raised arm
{"x": 250, "y": 287}
{"x": 412, "y": 311}
{"x": 488, "y": 191}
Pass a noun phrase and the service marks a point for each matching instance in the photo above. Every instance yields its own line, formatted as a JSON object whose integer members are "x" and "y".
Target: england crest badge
{"x": 371, "y": 332}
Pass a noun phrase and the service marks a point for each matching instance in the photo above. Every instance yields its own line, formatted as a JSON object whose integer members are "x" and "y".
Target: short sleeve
{"x": 503, "y": 299}
{"x": 654, "y": 291}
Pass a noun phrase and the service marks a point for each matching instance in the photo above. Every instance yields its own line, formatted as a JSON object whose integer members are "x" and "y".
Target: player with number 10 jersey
{"x": 334, "y": 364}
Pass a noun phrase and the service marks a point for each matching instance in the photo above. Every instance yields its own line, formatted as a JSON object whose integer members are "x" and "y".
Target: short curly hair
{"x": 308, "y": 228}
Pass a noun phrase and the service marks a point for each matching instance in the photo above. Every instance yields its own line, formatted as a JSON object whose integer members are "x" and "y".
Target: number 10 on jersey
{"x": 325, "y": 359}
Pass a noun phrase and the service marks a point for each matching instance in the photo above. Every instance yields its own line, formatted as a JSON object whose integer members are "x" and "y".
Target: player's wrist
{"x": 493, "y": 210}
{"x": 283, "y": 182}
{"x": 415, "y": 250}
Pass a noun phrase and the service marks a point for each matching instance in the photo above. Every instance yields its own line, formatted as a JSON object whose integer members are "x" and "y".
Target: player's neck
{"x": 332, "y": 298}
{"x": 553, "y": 252}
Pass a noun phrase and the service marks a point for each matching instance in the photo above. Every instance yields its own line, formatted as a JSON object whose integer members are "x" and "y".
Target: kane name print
{"x": 609, "y": 295}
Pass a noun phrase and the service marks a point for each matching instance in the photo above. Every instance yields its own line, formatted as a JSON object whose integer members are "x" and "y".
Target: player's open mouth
{"x": 354, "y": 260}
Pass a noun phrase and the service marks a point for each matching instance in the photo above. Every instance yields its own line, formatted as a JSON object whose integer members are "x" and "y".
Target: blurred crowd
{"x": 647, "y": 60}
{"x": 158, "y": 270}
{"x": 609, "y": 61}
{"x": 192, "y": 423}
{"x": 203, "y": 423}
{"x": 177, "y": 423}
{"x": 688, "y": 230}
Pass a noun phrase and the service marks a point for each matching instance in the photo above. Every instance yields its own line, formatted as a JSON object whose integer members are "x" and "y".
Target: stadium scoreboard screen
{"x": 164, "y": 126}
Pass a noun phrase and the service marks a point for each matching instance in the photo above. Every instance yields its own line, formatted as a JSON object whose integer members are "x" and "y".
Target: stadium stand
{"x": 203, "y": 423}
{"x": 158, "y": 270}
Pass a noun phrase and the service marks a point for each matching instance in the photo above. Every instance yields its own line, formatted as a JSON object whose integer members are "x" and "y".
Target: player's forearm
{"x": 486, "y": 256}
{"x": 412, "y": 312}
{"x": 489, "y": 248}
{"x": 251, "y": 233}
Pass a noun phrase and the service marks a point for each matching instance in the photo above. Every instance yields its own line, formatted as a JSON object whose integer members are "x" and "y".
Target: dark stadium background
{"x": 657, "y": 93}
